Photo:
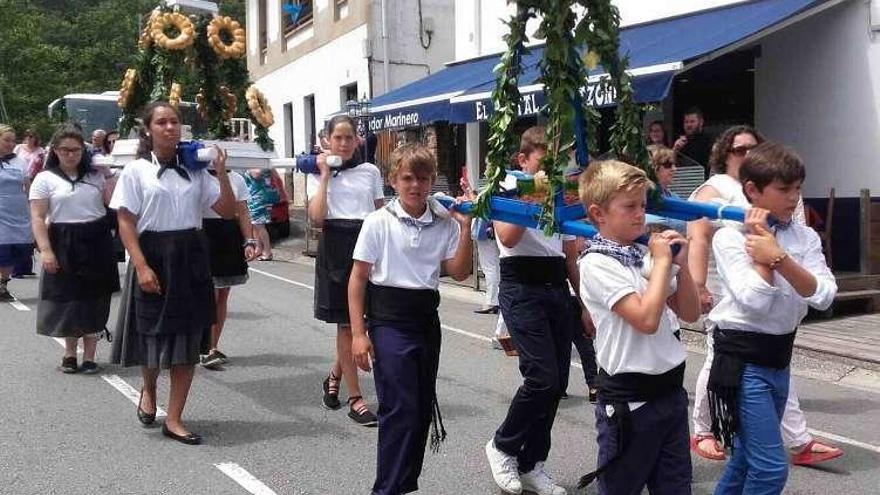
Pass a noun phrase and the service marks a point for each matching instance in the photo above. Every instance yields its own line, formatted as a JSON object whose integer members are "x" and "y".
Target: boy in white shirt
{"x": 769, "y": 276}
{"x": 635, "y": 299}
{"x": 394, "y": 283}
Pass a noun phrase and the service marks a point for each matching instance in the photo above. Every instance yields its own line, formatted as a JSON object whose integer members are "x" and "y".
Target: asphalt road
{"x": 266, "y": 432}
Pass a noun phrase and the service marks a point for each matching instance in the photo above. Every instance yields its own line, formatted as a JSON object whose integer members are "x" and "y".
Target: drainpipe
{"x": 478, "y": 28}
{"x": 386, "y": 55}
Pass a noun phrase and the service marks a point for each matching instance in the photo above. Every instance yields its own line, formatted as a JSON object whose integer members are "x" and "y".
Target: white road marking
{"x": 244, "y": 478}
{"x": 15, "y": 303}
{"x": 829, "y": 436}
{"x": 131, "y": 393}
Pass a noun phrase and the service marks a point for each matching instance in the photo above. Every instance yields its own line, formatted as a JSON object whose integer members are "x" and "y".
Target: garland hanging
{"x": 196, "y": 57}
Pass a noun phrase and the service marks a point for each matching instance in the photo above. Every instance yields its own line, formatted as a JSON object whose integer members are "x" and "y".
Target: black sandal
{"x": 362, "y": 414}
{"x": 144, "y": 417}
{"x": 331, "y": 392}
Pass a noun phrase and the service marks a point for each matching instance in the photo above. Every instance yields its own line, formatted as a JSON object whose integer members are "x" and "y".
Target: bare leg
{"x": 181, "y": 379}
{"x": 346, "y": 361}
{"x": 263, "y": 235}
{"x": 70, "y": 346}
{"x": 222, "y": 297}
{"x": 90, "y": 345}
{"x": 148, "y": 399}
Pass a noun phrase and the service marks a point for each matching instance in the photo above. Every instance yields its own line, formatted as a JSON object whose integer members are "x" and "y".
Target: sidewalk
{"x": 852, "y": 339}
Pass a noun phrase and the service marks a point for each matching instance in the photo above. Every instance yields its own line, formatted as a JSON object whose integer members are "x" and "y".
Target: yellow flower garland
{"x": 234, "y": 49}
{"x": 174, "y": 95}
{"x": 259, "y": 107}
{"x": 177, "y": 21}
{"x": 128, "y": 82}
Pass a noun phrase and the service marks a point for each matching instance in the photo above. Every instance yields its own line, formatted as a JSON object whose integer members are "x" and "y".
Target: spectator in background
{"x": 663, "y": 160}
{"x": 262, "y": 197}
{"x": 109, "y": 141}
{"x": 694, "y": 143}
{"x": 16, "y": 239}
{"x": 31, "y": 152}
{"x": 656, "y": 134}
{"x": 98, "y": 138}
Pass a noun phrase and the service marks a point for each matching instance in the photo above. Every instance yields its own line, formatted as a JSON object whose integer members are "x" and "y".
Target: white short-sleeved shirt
{"x": 69, "y": 202}
{"x": 619, "y": 347}
{"x": 749, "y": 303}
{"x": 403, "y": 255}
{"x": 169, "y": 203}
{"x": 239, "y": 190}
{"x": 352, "y": 193}
{"x": 535, "y": 243}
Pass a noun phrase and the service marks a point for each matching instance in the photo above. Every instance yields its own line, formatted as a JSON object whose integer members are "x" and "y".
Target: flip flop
{"x": 696, "y": 440}
{"x": 806, "y": 457}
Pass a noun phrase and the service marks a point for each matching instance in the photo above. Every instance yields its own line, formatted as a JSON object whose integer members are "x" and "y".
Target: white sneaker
{"x": 504, "y": 469}
{"x": 537, "y": 480}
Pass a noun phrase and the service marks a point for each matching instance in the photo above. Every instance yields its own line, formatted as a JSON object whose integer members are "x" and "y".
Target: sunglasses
{"x": 741, "y": 150}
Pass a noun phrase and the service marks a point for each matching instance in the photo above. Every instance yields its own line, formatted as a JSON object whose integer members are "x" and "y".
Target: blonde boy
{"x": 634, "y": 294}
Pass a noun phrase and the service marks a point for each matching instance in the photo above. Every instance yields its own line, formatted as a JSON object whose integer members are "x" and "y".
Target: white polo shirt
{"x": 352, "y": 193}
{"x": 619, "y": 347}
{"x": 169, "y": 203}
{"x": 79, "y": 202}
{"x": 239, "y": 190}
{"x": 535, "y": 243}
{"x": 403, "y": 255}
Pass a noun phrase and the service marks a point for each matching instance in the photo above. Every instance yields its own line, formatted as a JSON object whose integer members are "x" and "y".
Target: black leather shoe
{"x": 491, "y": 310}
{"x": 144, "y": 417}
{"x": 190, "y": 439}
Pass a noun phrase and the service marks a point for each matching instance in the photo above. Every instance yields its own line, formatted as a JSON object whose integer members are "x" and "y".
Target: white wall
{"x": 408, "y": 59}
{"x": 321, "y": 72}
{"x": 816, "y": 89}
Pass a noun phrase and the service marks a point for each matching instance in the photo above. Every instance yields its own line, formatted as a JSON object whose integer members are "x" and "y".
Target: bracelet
{"x": 779, "y": 259}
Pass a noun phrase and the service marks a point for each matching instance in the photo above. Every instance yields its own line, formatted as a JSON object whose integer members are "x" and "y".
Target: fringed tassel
{"x": 438, "y": 432}
{"x": 724, "y": 410}
{"x": 621, "y": 418}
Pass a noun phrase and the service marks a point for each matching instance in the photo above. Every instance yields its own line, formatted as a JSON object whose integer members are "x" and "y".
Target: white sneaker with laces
{"x": 504, "y": 469}
{"x": 537, "y": 480}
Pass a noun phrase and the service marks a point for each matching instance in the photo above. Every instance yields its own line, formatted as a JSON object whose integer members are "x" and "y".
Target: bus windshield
{"x": 101, "y": 112}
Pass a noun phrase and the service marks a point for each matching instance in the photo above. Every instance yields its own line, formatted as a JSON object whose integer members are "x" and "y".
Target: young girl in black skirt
{"x": 339, "y": 200}
{"x": 167, "y": 309}
{"x": 70, "y": 226}
{"x": 231, "y": 244}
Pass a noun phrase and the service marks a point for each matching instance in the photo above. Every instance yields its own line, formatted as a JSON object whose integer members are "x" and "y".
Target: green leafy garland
{"x": 199, "y": 70}
{"x": 564, "y": 73}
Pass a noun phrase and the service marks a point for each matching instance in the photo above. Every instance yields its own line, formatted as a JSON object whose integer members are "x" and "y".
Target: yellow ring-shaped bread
{"x": 178, "y": 21}
{"x": 259, "y": 107}
{"x": 228, "y": 25}
{"x": 127, "y": 89}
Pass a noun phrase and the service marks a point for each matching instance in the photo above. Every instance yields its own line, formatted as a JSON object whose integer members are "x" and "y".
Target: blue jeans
{"x": 759, "y": 465}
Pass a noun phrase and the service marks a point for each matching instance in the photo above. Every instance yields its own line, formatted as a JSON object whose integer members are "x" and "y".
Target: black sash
{"x": 534, "y": 270}
{"x": 733, "y": 350}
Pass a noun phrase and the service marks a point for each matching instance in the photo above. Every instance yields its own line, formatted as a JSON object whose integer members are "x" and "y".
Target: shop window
{"x": 304, "y": 18}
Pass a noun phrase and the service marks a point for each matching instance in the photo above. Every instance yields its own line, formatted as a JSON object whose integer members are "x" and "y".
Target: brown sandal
{"x": 696, "y": 447}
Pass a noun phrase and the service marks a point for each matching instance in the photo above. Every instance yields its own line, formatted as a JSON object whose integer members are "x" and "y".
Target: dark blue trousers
{"x": 655, "y": 452}
{"x": 406, "y": 358}
{"x": 539, "y": 318}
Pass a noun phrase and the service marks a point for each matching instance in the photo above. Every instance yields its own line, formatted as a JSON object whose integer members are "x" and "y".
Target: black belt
{"x": 534, "y": 270}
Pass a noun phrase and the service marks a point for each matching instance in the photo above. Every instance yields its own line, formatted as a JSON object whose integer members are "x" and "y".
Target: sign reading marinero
{"x": 394, "y": 120}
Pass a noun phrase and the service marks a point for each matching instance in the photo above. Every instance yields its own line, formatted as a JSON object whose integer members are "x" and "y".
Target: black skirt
{"x": 332, "y": 269}
{"x": 173, "y": 327}
{"x": 75, "y": 301}
{"x": 226, "y": 247}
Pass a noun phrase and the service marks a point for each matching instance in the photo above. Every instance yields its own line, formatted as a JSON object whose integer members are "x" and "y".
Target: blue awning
{"x": 657, "y": 51}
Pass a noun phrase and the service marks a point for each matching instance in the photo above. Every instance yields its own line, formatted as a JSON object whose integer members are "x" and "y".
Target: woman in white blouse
{"x": 68, "y": 215}
{"x": 168, "y": 307}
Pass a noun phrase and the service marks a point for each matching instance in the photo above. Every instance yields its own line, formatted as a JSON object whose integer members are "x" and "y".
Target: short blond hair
{"x": 417, "y": 157}
{"x": 604, "y": 179}
{"x": 4, "y": 128}
{"x": 660, "y": 155}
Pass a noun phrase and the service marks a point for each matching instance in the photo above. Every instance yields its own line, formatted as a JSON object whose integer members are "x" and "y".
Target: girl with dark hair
{"x": 16, "y": 241}
{"x": 109, "y": 142}
{"x": 167, "y": 308}
{"x": 656, "y": 134}
{"x": 68, "y": 215}
{"x": 339, "y": 200}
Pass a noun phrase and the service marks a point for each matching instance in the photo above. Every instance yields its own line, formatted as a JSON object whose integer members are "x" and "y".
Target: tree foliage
{"x": 49, "y": 48}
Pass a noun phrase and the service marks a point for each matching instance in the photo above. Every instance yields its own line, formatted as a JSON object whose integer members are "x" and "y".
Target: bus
{"x": 100, "y": 111}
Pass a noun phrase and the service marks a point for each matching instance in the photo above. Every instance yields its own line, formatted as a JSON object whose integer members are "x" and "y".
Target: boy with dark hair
{"x": 769, "y": 275}
{"x": 635, "y": 296}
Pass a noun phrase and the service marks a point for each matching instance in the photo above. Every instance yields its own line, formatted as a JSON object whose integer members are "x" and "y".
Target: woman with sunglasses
{"x": 728, "y": 154}
{"x": 663, "y": 160}
{"x": 68, "y": 213}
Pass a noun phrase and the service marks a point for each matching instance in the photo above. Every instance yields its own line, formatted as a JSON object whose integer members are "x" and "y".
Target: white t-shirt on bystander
{"x": 69, "y": 202}
{"x": 535, "y": 243}
{"x": 405, "y": 255}
{"x": 239, "y": 190}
